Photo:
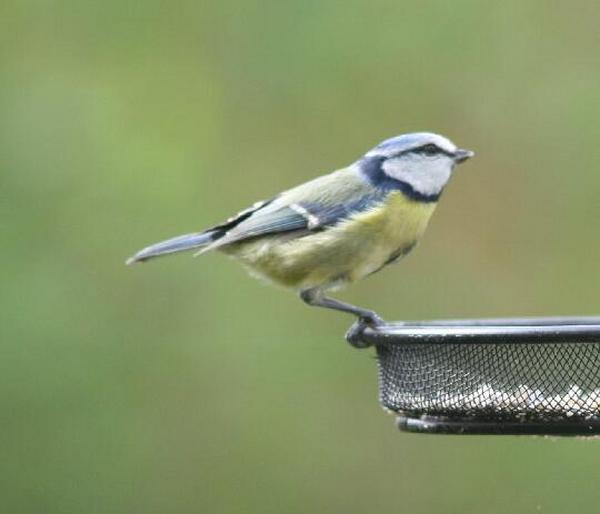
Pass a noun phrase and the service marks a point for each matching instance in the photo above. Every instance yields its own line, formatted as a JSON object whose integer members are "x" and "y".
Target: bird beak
{"x": 462, "y": 155}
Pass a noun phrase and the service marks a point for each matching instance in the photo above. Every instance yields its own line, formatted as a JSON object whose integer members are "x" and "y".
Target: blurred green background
{"x": 184, "y": 386}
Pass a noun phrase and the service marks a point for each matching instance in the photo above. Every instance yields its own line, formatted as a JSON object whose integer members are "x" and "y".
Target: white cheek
{"x": 426, "y": 175}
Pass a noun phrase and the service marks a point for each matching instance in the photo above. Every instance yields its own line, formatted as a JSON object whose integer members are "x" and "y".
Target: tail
{"x": 175, "y": 245}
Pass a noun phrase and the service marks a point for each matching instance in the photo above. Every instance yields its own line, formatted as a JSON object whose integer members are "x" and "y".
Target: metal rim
{"x": 486, "y": 331}
{"x": 469, "y": 426}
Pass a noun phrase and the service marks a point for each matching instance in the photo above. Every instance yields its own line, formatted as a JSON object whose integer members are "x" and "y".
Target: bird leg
{"x": 314, "y": 297}
{"x": 366, "y": 318}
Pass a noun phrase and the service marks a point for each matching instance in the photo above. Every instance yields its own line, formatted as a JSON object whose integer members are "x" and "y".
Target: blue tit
{"x": 337, "y": 228}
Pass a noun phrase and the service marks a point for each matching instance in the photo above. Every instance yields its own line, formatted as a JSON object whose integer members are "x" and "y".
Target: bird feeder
{"x": 491, "y": 376}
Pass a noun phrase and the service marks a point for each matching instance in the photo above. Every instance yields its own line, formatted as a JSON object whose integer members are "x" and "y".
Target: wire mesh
{"x": 533, "y": 382}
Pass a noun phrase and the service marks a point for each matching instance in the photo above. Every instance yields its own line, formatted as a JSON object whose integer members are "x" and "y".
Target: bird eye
{"x": 429, "y": 149}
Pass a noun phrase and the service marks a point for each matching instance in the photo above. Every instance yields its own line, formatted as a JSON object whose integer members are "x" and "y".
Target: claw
{"x": 371, "y": 319}
{"x": 355, "y": 333}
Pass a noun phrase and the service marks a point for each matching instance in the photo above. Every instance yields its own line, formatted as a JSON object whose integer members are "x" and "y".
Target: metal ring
{"x": 486, "y": 331}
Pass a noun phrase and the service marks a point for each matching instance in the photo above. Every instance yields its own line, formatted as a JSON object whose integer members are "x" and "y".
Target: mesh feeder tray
{"x": 493, "y": 376}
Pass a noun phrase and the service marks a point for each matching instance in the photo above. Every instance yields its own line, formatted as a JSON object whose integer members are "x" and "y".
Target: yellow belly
{"x": 343, "y": 253}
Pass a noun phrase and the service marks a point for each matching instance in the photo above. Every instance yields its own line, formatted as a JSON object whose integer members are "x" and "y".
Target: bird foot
{"x": 354, "y": 334}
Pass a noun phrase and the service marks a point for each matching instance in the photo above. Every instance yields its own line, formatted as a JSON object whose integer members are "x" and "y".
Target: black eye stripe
{"x": 428, "y": 149}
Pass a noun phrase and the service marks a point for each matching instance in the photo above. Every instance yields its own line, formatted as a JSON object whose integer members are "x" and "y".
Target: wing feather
{"x": 310, "y": 208}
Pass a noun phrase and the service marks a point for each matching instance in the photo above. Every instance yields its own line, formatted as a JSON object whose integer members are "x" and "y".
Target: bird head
{"x": 421, "y": 161}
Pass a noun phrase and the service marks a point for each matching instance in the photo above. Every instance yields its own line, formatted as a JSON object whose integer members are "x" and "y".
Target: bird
{"x": 337, "y": 228}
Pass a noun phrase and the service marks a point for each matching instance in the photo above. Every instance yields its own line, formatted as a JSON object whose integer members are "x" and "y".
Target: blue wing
{"x": 297, "y": 216}
{"x": 313, "y": 206}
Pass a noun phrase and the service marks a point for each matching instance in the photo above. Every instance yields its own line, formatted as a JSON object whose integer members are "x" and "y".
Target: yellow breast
{"x": 388, "y": 232}
{"x": 343, "y": 253}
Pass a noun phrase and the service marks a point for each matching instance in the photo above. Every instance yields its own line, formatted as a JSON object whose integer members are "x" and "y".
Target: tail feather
{"x": 174, "y": 245}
